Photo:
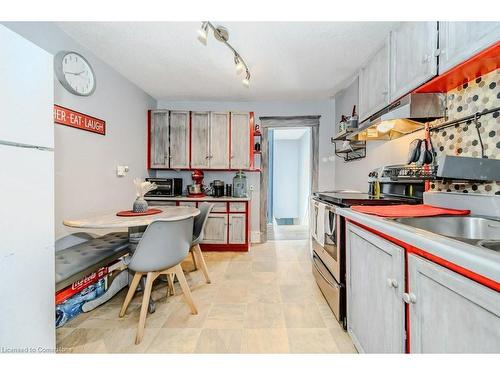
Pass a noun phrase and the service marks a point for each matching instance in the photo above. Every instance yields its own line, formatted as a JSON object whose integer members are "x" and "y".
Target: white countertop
{"x": 482, "y": 261}
{"x": 198, "y": 199}
{"x": 109, "y": 219}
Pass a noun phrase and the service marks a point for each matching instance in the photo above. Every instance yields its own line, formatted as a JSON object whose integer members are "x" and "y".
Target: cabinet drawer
{"x": 237, "y": 207}
{"x": 160, "y": 203}
{"x": 187, "y": 203}
{"x": 220, "y": 207}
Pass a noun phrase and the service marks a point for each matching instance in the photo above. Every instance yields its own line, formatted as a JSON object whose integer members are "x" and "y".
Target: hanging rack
{"x": 475, "y": 116}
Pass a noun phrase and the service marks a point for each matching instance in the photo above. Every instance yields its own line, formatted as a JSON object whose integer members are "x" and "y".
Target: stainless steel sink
{"x": 481, "y": 231}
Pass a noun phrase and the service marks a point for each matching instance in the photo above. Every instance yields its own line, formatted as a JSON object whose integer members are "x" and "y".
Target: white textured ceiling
{"x": 288, "y": 60}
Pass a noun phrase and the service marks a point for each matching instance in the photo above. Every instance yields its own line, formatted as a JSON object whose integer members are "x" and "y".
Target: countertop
{"x": 198, "y": 199}
{"x": 482, "y": 261}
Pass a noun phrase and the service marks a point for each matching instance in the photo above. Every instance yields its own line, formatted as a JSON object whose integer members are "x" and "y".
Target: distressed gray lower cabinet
{"x": 413, "y": 56}
{"x": 460, "y": 40}
{"x": 375, "y": 286}
{"x": 169, "y": 139}
{"x": 450, "y": 313}
{"x": 215, "y": 231}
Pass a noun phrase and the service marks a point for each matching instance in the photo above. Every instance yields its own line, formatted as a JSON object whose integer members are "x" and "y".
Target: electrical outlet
{"x": 252, "y": 187}
{"x": 122, "y": 170}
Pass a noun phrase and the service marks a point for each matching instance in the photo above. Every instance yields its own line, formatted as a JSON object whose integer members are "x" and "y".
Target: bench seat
{"x": 78, "y": 261}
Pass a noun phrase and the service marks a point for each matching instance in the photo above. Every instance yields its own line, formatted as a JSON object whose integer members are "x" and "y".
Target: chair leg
{"x": 171, "y": 289}
{"x": 198, "y": 254}
{"x": 193, "y": 256}
{"x": 130, "y": 294}
{"x": 144, "y": 307}
{"x": 185, "y": 288}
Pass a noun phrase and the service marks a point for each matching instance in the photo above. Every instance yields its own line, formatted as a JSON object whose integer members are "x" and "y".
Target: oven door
{"x": 328, "y": 285}
{"x": 331, "y": 250}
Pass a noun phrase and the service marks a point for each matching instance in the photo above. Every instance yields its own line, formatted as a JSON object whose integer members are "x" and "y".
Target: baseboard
{"x": 255, "y": 237}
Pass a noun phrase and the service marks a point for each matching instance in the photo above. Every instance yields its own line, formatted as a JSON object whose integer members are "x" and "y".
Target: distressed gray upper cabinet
{"x": 240, "y": 140}
{"x": 179, "y": 139}
{"x": 200, "y": 128}
{"x": 219, "y": 140}
{"x": 460, "y": 40}
{"x": 450, "y": 313}
{"x": 413, "y": 56}
{"x": 158, "y": 152}
{"x": 374, "y": 83}
{"x": 375, "y": 285}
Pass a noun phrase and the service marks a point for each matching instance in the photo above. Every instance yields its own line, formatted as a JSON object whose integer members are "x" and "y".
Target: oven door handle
{"x": 315, "y": 264}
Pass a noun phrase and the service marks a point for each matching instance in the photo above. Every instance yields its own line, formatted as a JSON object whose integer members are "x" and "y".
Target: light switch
{"x": 122, "y": 170}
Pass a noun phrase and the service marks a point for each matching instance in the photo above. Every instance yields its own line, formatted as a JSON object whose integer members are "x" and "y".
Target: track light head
{"x": 246, "y": 80}
{"x": 240, "y": 67}
{"x": 203, "y": 33}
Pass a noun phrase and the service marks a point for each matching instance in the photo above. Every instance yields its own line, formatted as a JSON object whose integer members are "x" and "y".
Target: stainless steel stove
{"x": 328, "y": 228}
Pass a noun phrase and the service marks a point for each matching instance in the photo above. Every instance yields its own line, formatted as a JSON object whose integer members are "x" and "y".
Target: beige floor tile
{"x": 264, "y": 315}
{"x": 342, "y": 339}
{"x": 311, "y": 340}
{"x": 181, "y": 317}
{"x": 226, "y": 316}
{"x": 301, "y": 315}
{"x": 232, "y": 291}
{"x": 265, "y": 340}
{"x": 219, "y": 341}
{"x": 83, "y": 340}
{"x": 175, "y": 340}
{"x": 239, "y": 271}
{"x": 264, "y": 266}
{"x": 266, "y": 293}
{"x": 293, "y": 294}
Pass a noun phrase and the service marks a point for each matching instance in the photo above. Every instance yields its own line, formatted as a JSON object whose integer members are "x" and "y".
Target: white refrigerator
{"x": 26, "y": 196}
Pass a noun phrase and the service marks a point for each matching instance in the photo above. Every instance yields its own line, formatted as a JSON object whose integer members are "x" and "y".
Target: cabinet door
{"x": 159, "y": 155}
{"x": 374, "y": 83}
{"x": 460, "y": 40}
{"x": 375, "y": 283}
{"x": 237, "y": 228}
{"x": 179, "y": 139}
{"x": 216, "y": 229}
{"x": 219, "y": 140}
{"x": 200, "y": 128}
{"x": 240, "y": 140}
{"x": 450, "y": 313}
{"x": 413, "y": 60}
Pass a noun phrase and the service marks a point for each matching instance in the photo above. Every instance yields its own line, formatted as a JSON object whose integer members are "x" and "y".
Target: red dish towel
{"x": 408, "y": 210}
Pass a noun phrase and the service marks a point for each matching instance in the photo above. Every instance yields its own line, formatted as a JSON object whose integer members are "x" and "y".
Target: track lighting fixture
{"x": 222, "y": 35}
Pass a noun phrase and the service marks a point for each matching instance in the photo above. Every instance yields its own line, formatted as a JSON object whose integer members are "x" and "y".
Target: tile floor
{"x": 263, "y": 301}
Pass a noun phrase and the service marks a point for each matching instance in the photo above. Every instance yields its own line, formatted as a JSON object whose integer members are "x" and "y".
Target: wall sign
{"x": 68, "y": 117}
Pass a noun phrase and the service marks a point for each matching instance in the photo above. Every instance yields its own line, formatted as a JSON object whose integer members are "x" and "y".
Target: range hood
{"x": 404, "y": 116}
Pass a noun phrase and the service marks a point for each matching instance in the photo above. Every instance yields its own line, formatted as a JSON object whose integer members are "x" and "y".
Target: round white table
{"x": 136, "y": 226}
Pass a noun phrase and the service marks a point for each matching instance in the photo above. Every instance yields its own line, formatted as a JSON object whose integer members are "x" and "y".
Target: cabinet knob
{"x": 392, "y": 283}
{"x": 409, "y": 298}
{"x": 207, "y": 157}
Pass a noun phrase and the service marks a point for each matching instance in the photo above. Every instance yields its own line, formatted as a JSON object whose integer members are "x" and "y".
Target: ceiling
{"x": 288, "y": 60}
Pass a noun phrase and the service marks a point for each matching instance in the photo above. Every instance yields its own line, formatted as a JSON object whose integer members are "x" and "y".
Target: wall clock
{"x": 75, "y": 73}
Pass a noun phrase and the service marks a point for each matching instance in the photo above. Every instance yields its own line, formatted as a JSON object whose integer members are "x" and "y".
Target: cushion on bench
{"x": 78, "y": 261}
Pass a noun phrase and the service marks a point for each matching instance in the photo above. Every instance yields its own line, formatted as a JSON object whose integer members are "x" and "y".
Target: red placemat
{"x": 151, "y": 211}
{"x": 408, "y": 210}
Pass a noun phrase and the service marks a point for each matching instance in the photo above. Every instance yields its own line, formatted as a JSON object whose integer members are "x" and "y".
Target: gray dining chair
{"x": 162, "y": 248}
{"x": 198, "y": 227}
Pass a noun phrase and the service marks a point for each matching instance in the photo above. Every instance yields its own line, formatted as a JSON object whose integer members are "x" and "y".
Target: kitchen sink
{"x": 481, "y": 231}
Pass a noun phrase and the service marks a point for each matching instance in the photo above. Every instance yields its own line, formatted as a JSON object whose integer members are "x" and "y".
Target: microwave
{"x": 166, "y": 187}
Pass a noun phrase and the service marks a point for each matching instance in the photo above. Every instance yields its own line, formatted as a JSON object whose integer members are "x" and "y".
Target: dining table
{"x": 136, "y": 225}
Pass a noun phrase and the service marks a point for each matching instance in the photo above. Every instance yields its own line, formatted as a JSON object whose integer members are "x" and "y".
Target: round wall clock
{"x": 75, "y": 73}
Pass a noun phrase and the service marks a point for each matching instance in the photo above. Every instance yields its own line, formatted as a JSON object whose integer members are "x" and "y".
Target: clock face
{"x": 75, "y": 73}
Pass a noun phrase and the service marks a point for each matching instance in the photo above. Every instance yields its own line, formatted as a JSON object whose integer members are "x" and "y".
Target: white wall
{"x": 325, "y": 108}
{"x": 285, "y": 178}
{"x": 85, "y": 163}
{"x": 304, "y": 176}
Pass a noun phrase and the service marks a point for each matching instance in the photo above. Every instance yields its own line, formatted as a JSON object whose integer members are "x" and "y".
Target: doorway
{"x": 289, "y": 175}
{"x": 289, "y": 183}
